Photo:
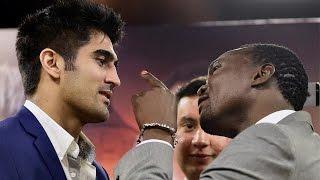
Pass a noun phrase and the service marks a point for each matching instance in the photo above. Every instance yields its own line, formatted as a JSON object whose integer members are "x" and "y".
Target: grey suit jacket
{"x": 289, "y": 150}
{"x": 152, "y": 160}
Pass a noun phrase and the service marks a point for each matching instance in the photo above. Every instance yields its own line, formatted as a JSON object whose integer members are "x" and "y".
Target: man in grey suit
{"x": 253, "y": 94}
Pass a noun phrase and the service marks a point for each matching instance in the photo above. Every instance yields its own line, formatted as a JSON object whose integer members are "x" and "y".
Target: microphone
{"x": 314, "y": 91}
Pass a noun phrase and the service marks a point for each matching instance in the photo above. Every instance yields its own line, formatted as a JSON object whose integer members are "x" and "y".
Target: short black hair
{"x": 191, "y": 88}
{"x": 64, "y": 27}
{"x": 290, "y": 74}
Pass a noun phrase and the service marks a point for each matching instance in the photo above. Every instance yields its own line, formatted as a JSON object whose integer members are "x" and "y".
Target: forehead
{"x": 187, "y": 100}
{"x": 236, "y": 57}
{"x": 188, "y": 105}
{"x": 98, "y": 41}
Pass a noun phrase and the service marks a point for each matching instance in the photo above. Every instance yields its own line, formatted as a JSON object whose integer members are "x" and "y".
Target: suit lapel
{"x": 42, "y": 143}
{"x": 101, "y": 173}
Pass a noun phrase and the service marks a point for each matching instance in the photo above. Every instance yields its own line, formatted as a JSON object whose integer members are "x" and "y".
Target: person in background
{"x": 195, "y": 149}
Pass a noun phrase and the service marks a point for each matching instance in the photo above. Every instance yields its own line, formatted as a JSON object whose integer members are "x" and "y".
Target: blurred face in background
{"x": 195, "y": 148}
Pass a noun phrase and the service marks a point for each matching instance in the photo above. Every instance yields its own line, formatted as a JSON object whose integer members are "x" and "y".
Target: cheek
{"x": 218, "y": 87}
{"x": 92, "y": 80}
{"x": 91, "y": 72}
{"x": 181, "y": 138}
{"x": 94, "y": 77}
{"x": 184, "y": 142}
{"x": 181, "y": 153}
{"x": 222, "y": 92}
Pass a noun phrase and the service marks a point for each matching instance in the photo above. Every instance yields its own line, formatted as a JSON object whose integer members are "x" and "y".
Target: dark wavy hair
{"x": 191, "y": 87}
{"x": 291, "y": 77}
{"x": 64, "y": 27}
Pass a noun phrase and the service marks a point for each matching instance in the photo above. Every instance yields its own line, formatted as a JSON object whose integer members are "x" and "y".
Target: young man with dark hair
{"x": 195, "y": 149}
{"x": 255, "y": 94}
{"x": 69, "y": 70}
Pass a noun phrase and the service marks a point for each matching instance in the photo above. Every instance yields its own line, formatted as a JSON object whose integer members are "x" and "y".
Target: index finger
{"x": 152, "y": 80}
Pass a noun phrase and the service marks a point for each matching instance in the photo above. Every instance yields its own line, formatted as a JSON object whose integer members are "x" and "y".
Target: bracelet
{"x": 164, "y": 127}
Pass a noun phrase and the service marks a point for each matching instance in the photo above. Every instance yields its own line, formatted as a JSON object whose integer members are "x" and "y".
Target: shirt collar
{"x": 60, "y": 138}
{"x": 82, "y": 147}
{"x": 87, "y": 149}
{"x": 275, "y": 117}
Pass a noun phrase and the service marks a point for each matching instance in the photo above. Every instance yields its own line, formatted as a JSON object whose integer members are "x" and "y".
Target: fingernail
{"x": 144, "y": 72}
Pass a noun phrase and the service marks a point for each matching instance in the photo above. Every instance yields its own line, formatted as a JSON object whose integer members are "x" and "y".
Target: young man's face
{"x": 87, "y": 90}
{"x": 195, "y": 149}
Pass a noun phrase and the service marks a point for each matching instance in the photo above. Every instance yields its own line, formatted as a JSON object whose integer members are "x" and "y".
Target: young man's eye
{"x": 101, "y": 62}
{"x": 189, "y": 126}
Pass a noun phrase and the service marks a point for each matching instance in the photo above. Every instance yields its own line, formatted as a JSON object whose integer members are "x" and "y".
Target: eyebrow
{"x": 107, "y": 54}
{"x": 187, "y": 119}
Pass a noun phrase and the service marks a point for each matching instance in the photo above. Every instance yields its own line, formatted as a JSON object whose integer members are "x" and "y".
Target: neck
{"x": 59, "y": 112}
{"x": 264, "y": 104}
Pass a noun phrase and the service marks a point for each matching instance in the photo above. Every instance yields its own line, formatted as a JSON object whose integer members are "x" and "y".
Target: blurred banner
{"x": 174, "y": 54}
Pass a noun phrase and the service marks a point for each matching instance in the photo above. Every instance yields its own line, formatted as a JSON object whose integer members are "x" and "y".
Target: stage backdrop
{"x": 174, "y": 54}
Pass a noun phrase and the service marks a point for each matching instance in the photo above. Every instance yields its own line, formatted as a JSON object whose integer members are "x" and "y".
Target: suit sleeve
{"x": 262, "y": 151}
{"x": 152, "y": 160}
{"x": 8, "y": 170}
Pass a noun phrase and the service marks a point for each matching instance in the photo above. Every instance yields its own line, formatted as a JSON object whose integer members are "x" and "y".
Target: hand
{"x": 157, "y": 105}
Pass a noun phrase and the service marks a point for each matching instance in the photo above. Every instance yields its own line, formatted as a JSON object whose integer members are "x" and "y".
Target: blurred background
{"x": 155, "y": 12}
{"x": 175, "y": 40}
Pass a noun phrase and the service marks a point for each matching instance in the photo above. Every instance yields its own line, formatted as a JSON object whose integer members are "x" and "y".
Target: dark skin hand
{"x": 157, "y": 105}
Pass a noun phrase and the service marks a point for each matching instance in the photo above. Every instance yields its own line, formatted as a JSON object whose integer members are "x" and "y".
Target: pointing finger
{"x": 152, "y": 80}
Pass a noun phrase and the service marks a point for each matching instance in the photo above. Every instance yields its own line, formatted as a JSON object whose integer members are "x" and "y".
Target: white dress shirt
{"x": 275, "y": 117}
{"x": 62, "y": 142}
{"x": 154, "y": 141}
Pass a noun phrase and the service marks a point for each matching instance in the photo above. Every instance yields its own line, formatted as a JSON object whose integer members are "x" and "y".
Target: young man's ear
{"x": 51, "y": 62}
{"x": 263, "y": 75}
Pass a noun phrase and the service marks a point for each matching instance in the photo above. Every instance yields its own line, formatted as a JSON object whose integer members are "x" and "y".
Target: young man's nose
{"x": 113, "y": 78}
{"x": 199, "y": 140}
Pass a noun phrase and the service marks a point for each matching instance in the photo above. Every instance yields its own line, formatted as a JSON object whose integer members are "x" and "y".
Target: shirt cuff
{"x": 154, "y": 141}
